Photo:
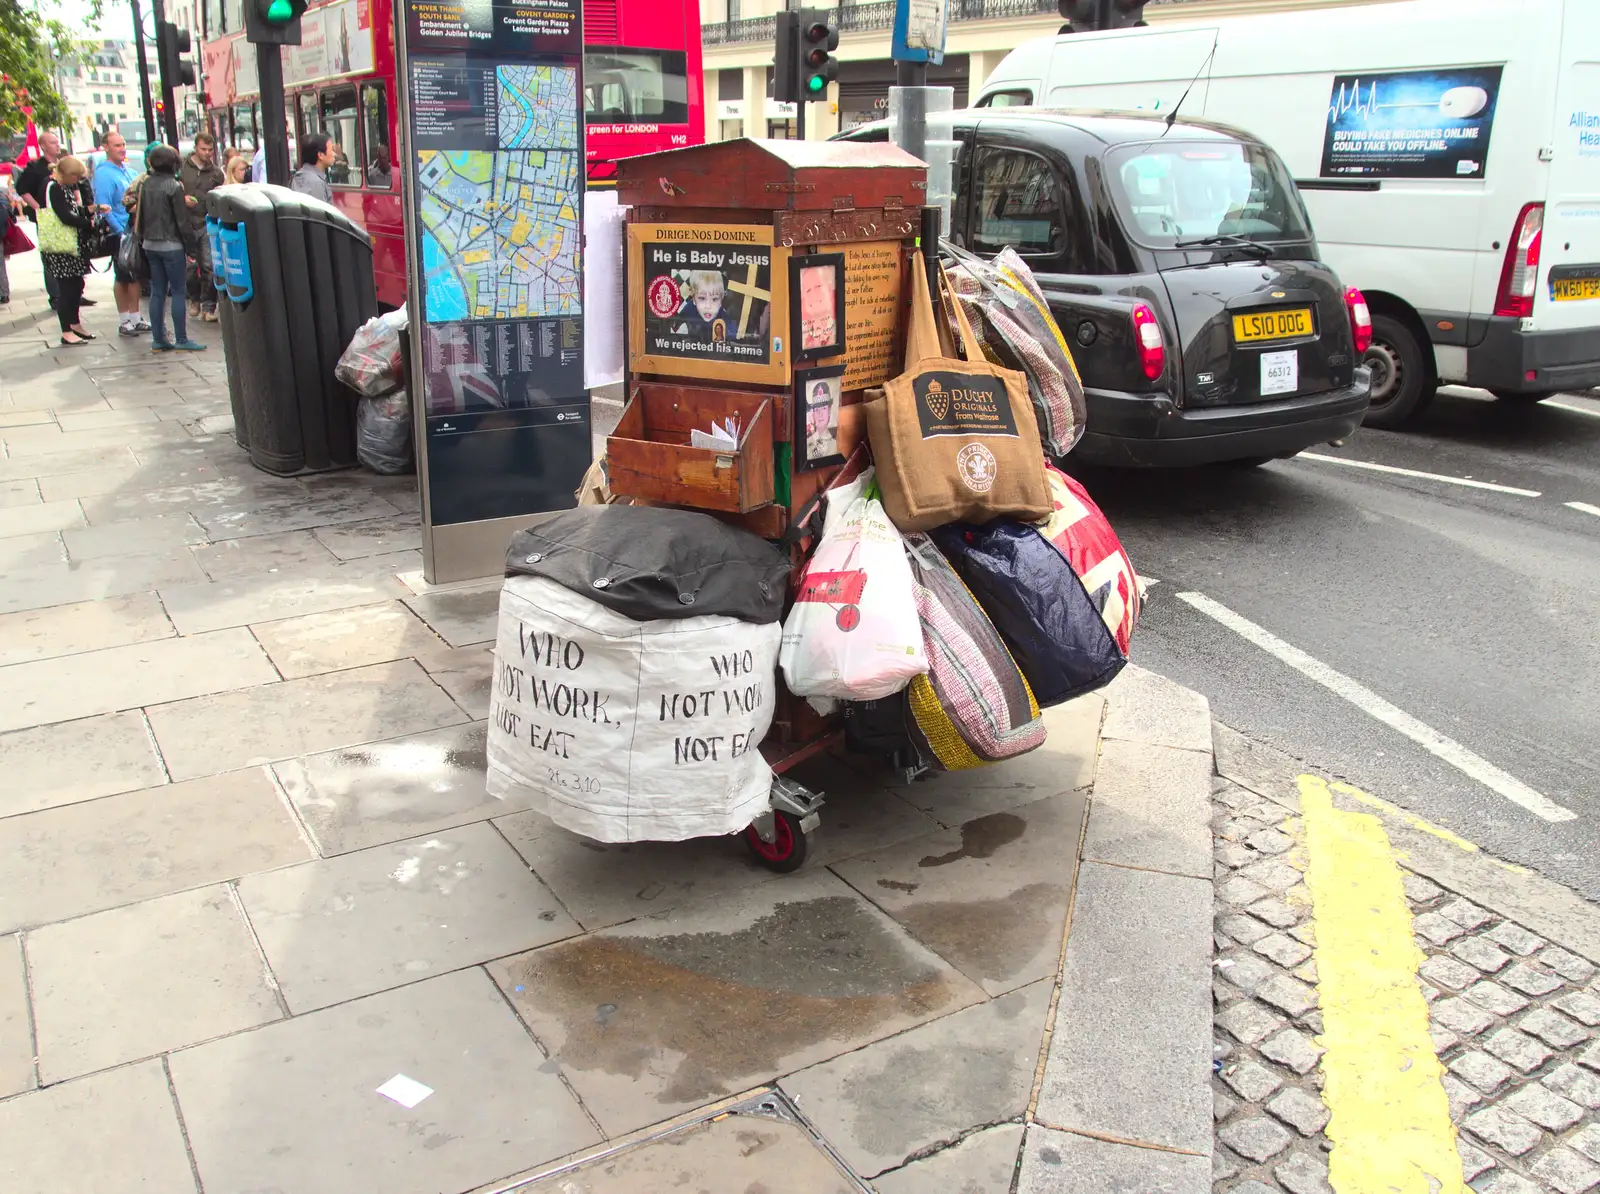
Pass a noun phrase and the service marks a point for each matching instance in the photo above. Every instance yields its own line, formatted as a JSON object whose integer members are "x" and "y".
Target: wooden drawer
{"x": 648, "y": 455}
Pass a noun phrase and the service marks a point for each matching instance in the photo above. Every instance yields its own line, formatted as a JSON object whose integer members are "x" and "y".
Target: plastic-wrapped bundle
{"x": 1008, "y": 310}
{"x": 383, "y": 433}
{"x": 374, "y": 361}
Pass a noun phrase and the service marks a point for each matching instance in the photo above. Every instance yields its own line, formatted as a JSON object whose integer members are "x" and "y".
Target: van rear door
{"x": 1568, "y": 294}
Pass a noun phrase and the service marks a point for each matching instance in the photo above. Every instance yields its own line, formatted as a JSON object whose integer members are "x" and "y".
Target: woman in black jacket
{"x": 168, "y": 235}
{"x": 72, "y": 201}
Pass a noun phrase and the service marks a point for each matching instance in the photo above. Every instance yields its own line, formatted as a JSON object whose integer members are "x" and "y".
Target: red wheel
{"x": 848, "y": 618}
{"x": 787, "y": 849}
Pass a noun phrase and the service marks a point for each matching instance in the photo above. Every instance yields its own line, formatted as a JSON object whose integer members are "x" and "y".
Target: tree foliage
{"x": 33, "y": 42}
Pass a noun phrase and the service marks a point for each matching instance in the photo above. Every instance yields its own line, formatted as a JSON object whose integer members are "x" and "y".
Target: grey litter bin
{"x": 297, "y": 283}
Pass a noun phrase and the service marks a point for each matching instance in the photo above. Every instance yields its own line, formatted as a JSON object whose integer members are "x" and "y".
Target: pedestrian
{"x": 65, "y": 219}
{"x": 237, "y": 170}
{"x": 200, "y": 176}
{"x": 162, "y": 222}
{"x": 31, "y": 184}
{"x": 380, "y": 176}
{"x": 317, "y": 153}
{"x": 111, "y": 181}
{"x": 258, "y": 164}
{"x": 8, "y": 217}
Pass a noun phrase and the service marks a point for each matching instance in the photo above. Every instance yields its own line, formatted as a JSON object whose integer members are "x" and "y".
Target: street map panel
{"x": 501, "y": 226}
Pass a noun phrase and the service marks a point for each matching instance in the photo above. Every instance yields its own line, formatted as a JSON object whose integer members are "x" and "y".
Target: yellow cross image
{"x": 749, "y": 289}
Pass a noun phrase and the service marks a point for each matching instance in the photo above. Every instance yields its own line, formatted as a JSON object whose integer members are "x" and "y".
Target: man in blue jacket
{"x": 111, "y": 181}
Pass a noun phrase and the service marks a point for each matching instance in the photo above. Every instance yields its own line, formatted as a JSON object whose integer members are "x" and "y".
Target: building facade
{"x": 102, "y": 90}
{"x": 739, "y": 34}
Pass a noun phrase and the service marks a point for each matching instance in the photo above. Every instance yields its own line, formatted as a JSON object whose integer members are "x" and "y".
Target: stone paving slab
{"x": 293, "y": 1106}
{"x": 82, "y": 626}
{"x": 990, "y": 897}
{"x": 460, "y": 616}
{"x": 71, "y": 761}
{"x": 195, "y": 609}
{"x": 80, "y": 858}
{"x": 116, "y": 1132}
{"x": 16, "y": 1029}
{"x": 660, "y": 1015}
{"x": 213, "y": 734}
{"x": 339, "y": 928}
{"x": 1137, "y": 820}
{"x": 106, "y": 681}
{"x": 292, "y": 552}
{"x": 344, "y": 638}
{"x": 166, "y": 973}
{"x": 1066, "y": 1163}
{"x": 381, "y": 792}
{"x": 982, "y": 1163}
{"x": 885, "y": 1104}
{"x": 40, "y": 585}
{"x": 1136, "y": 991}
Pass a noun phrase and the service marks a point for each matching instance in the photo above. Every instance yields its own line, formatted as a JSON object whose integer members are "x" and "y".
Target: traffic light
{"x": 817, "y": 38}
{"x": 172, "y": 43}
{"x": 273, "y": 22}
{"x": 1089, "y": 15}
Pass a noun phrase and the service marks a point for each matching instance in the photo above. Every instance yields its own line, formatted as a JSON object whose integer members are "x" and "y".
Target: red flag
{"x": 31, "y": 149}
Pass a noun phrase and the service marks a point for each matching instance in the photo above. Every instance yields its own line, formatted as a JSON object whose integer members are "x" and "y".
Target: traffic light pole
{"x": 275, "y": 133}
{"x": 169, "y": 115}
{"x": 144, "y": 74}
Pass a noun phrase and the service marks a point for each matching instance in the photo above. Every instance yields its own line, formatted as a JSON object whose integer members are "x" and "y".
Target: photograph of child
{"x": 704, "y": 316}
{"x": 822, "y": 420}
{"x": 818, "y": 322}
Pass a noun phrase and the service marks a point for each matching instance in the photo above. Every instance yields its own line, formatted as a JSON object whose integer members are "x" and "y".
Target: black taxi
{"x": 1181, "y": 266}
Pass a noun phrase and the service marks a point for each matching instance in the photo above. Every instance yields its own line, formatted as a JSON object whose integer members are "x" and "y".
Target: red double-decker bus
{"x": 642, "y": 92}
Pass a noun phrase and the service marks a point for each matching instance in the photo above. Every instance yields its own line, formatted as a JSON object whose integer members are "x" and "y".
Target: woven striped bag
{"x": 973, "y": 707}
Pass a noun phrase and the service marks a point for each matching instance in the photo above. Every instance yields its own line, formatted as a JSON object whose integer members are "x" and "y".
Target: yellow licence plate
{"x": 1272, "y": 325}
{"x": 1571, "y": 290}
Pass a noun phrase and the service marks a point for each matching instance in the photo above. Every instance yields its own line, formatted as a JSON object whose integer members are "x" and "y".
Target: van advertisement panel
{"x": 1411, "y": 124}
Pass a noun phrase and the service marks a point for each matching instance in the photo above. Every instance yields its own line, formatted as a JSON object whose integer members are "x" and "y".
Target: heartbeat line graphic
{"x": 1352, "y": 102}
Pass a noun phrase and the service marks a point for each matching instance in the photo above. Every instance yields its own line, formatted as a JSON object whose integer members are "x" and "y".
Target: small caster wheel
{"x": 786, "y": 851}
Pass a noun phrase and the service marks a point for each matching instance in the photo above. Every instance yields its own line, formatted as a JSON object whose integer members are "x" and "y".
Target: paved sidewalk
{"x": 249, "y": 874}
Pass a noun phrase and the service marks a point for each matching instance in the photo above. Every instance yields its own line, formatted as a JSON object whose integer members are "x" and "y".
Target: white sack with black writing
{"x": 629, "y": 731}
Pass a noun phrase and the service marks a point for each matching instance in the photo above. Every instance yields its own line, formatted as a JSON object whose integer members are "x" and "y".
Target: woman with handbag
{"x": 169, "y": 239}
{"x": 65, "y": 219}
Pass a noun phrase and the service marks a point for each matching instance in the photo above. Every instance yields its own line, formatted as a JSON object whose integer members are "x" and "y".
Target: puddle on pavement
{"x": 732, "y": 1155}
{"x": 725, "y": 1009}
{"x": 981, "y": 837}
{"x": 992, "y": 941}
{"x": 429, "y": 775}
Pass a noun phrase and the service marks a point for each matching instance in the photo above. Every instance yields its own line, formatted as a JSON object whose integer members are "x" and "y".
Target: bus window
{"x": 244, "y": 127}
{"x": 305, "y": 114}
{"x": 375, "y": 136}
{"x": 339, "y": 122}
{"x": 635, "y": 86}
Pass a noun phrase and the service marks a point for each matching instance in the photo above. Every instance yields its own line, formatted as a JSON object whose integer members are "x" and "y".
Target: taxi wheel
{"x": 1402, "y": 385}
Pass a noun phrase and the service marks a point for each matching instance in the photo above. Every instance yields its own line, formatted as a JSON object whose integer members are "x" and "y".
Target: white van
{"x": 1448, "y": 152}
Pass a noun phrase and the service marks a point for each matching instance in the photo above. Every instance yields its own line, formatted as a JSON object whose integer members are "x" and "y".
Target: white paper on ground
{"x": 408, "y": 1092}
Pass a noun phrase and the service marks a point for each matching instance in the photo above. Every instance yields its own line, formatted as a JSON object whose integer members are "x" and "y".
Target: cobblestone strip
{"x": 1516, "y": 1021}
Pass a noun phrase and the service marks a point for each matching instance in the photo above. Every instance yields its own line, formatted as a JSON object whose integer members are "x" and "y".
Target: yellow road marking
{"x": 1389, "y": 1119}
{"x": 1418, "y": 823}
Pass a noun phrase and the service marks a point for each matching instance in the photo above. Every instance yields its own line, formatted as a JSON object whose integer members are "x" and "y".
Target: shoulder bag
{"x": 54, "y": 235}
{"x": 954, "y": 440}
{"x": 130, "y": 253}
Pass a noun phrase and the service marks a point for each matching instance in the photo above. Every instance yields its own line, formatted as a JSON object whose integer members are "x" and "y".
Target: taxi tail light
{"x": 1360, "y": 319}
{"x": 1147, "y": 337}
{"x": 1520, "y": 274}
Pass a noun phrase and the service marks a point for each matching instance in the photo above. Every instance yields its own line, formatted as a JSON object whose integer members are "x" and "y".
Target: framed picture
{"x": 816, "y": 296}
{"x": 817, "y": 401}
{"x": 708, "y": 301}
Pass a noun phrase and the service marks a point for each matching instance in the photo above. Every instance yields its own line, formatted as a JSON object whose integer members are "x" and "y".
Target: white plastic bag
{"x": 853, "y": 631}
{"x": 629, "y": 731}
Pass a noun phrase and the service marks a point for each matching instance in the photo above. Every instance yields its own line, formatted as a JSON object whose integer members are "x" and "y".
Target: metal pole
{"x": 800, "y": 120}
{"x": 144, "y": 74}
{"x": 275, "y": 136}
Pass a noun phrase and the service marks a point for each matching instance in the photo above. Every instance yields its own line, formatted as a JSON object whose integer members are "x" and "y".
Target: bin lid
{"x": 237, "y": 201}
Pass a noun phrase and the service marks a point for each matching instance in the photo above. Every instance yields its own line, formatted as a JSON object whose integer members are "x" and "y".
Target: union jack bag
{"x": 1081, "y": 533}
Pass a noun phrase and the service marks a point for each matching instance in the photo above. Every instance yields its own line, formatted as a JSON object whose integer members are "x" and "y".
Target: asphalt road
{"x": 1474, "y": 612}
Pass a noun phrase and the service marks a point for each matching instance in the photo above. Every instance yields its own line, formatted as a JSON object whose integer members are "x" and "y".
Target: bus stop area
{"x": 261, "y": 927}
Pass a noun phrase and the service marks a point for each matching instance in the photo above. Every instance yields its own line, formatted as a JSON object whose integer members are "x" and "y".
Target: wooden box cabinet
{"x": 649, "y": 456}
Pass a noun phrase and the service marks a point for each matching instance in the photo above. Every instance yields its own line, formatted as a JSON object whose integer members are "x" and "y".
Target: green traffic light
{"x": 280, "y": 11}
{"x": 816, "y": 83}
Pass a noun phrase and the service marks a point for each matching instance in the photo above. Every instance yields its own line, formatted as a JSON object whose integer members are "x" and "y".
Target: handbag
{"x": 54, "y": 235}
{"x": 974, "y": 706}
{"x": 102, "y": 240}
{"x": 130, "y": 257}
{"x": 1038, "y": 604}
{"x": 954, "y": 440}
{"x": 16, "y": 240}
